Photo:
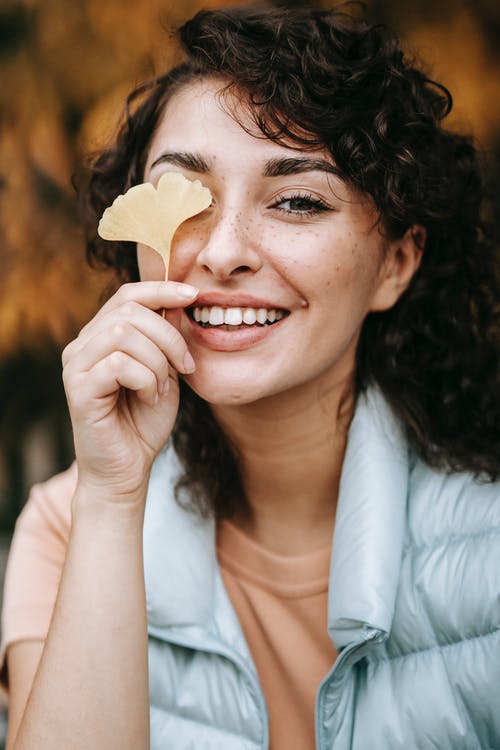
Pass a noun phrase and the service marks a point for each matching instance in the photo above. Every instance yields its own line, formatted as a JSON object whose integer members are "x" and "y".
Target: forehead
{"x": 202, "y": 117}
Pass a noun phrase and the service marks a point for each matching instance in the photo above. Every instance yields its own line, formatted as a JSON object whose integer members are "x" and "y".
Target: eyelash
{"x": 316, "y": 205}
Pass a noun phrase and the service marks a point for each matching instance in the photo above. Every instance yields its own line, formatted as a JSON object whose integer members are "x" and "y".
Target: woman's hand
{"x": 121, "y": 383}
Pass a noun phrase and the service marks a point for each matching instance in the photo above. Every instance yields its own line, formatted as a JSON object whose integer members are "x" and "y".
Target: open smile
{"x": 228, "y": 328}
{"x": 235, "y": 318}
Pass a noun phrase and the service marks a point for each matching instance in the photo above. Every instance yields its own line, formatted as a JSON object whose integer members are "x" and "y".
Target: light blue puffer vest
{"x": 414, "y": 611}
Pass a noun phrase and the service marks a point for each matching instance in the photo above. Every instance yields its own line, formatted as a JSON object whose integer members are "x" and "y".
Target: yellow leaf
{"x": 152, "y": 215}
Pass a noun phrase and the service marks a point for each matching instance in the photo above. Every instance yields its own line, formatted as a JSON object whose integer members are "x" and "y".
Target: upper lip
{"x": 210, "y": 299}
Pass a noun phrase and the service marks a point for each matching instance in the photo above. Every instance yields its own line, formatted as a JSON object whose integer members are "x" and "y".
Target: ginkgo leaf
{"x": 152, "y": 215}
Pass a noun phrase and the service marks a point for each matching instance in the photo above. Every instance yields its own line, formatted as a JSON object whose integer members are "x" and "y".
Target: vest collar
{"x": 183, "y": 586}
{"x": 370, "y": 523}
{"x": 179, "y": 553}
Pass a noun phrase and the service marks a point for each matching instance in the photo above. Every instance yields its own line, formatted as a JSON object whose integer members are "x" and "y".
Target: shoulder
{"x": 36, "y": 559}
{"x": 444, "y": 504}
{"x": 440, "y": 502}
{"x": 450, "y": 572}
{"x": 49, "y": 504}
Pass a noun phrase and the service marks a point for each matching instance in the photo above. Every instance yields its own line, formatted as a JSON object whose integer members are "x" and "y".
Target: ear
{"x": 401, "y": 261}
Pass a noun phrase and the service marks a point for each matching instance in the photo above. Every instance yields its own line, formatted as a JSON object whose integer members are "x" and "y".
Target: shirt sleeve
{"x": 36, "y": 559}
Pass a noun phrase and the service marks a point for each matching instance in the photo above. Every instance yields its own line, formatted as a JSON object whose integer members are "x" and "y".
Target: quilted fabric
{"x": 414, "y": 611}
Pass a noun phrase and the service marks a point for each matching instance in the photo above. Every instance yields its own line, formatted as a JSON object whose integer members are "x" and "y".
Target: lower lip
{"x": 230, "y": 341}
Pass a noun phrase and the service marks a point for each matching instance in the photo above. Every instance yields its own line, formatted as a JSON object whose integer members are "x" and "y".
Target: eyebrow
{"x": 280, "y": 167}
{"x": 193, "y": 162}
{"x": 296, "y": 165}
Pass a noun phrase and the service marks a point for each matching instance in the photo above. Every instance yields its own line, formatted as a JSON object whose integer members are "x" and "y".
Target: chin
{"x": 225, "y": 391}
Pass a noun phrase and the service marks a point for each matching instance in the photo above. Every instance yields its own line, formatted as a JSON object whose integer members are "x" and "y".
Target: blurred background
{"x": 65, "y": 69}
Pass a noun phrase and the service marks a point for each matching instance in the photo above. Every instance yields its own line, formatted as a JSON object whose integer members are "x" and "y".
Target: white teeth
{"x": 235, "y": 316}
{"x": 249, "y": 316}
{"x": 216, "y": 317}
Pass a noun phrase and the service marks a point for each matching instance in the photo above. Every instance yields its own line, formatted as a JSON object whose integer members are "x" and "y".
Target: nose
{"x": 231, "y": 248}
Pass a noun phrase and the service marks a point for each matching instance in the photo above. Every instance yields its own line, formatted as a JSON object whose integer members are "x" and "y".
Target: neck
{"x": 291, "y": 448}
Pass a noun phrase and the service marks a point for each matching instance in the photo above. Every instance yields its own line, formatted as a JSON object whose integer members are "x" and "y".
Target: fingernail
{"x": 189, "y": 365}
{"x": 187, "y": 291}
{"x": 165, "y": 387}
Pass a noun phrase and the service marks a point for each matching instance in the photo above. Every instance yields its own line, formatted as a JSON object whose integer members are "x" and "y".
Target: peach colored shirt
{"x": 281, "y": 603}
{"x": 36, "y": 560}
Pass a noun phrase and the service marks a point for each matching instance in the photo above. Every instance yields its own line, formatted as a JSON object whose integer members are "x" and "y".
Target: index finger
{"x": 153, "y": 294}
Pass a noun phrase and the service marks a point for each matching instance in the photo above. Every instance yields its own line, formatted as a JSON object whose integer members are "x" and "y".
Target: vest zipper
{"x": 233, "y": 657}
{"x": 345, "y": 658}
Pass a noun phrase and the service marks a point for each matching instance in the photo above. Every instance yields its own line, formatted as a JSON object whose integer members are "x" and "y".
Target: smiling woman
{"x": 284, "y": 507}
{"x": 251, "y": 252}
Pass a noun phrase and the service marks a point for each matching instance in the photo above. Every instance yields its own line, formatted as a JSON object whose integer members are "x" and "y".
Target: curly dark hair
{"x": 327, "y": 79}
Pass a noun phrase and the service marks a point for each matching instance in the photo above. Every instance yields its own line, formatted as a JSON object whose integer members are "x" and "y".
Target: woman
{"x": 327, "y": 361}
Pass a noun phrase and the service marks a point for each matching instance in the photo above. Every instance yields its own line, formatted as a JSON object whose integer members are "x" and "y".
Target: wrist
{"x": 109, "y": 506}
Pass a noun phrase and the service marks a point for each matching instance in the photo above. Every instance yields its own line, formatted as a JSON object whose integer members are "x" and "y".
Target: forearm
{"x": 91, "y": 688}
{"x": 120, "y": 377}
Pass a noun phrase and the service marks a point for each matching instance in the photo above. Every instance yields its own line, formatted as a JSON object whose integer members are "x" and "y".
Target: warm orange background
{"x": 65, "y": 68}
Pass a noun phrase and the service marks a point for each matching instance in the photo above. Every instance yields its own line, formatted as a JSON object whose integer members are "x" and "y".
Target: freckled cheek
{"x": 332, "y": 277}
{"x": 186, "y": 245}
{"x": 284, "y": 248}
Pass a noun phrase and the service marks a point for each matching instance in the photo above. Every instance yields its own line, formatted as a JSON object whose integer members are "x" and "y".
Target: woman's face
{"x": 288, "y": 256}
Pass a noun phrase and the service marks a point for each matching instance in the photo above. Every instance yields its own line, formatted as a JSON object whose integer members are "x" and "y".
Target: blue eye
{"x": 300, "y": 205}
